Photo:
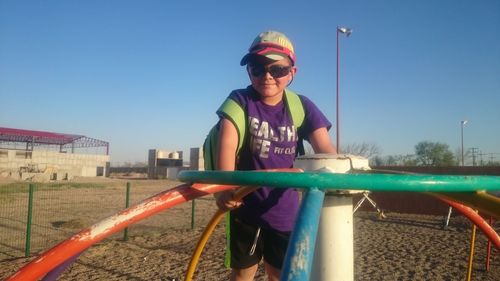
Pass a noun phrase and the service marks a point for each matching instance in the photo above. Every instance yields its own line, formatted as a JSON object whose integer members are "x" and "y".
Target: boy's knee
{"x": 244, "y": 274}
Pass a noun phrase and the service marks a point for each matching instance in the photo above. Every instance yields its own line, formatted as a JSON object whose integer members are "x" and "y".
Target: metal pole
{"x": 300, "y": 253}
{"x": 471, "y": 253}
{"x": 193, "y": 207}
{"x": 334, "y": 252}
{"x": 127, "y": 202}
{"x": 27, "y": 249}
{"x": 347, "y": 31}
{"x": 488, "y": 249}
{"x": 337, "y": 121}
{"x": 462, "y": 136}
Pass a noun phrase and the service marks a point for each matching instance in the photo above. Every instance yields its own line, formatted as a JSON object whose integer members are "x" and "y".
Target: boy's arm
{"x": 226, "y": 161}
{"x": 227, "y": 145}
{"x": 321, "y": 142}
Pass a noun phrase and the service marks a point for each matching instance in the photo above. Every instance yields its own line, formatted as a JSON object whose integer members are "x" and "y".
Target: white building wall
{"x": 15, "y": 162}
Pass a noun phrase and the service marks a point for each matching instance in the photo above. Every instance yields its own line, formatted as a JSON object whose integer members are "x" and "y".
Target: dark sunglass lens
{"x": 278, "y": 71}
{"x": 257, "y": 70}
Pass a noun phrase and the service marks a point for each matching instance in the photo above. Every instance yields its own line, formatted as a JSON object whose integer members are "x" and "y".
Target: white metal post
{"x": 334, "y": 253}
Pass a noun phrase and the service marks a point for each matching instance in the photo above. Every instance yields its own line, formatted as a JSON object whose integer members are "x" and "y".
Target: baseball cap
{"x": 271, "y": 44}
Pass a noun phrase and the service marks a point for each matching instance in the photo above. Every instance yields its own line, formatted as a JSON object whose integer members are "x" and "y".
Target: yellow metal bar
{"x": 471, "y": 253}
{"x": 238, "y": 195}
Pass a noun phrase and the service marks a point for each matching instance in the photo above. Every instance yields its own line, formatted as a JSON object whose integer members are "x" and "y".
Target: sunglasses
{"x": 276, "y": 71}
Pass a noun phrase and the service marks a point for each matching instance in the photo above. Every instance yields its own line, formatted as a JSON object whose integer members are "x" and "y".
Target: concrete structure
{"x": 164, "y": 164}
{"x": 196, "y": 161}
{"x": 43, "y": 156}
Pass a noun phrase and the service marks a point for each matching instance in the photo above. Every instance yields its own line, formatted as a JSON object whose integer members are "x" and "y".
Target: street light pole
{"x": 347, "y": 32}
{"x": 462, "y": 124}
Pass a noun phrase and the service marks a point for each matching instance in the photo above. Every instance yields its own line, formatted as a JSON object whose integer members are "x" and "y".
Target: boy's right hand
{"x": 225, "y": 201}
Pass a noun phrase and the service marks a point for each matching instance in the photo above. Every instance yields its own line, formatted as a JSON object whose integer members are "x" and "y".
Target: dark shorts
{"x": 271, "y": 245}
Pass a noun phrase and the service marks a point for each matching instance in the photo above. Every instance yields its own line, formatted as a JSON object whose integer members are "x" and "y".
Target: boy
{"x": 261, "y": 225}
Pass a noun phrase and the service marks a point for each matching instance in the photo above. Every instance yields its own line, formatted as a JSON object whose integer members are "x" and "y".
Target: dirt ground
{"x": 399, "y": 247}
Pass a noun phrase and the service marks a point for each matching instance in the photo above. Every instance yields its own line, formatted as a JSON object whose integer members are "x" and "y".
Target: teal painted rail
{"x": 374, "y": 182}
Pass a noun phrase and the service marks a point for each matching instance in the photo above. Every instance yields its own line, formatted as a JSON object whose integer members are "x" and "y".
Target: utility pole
{"x": 481, "y": 154}
{"x": 474, "y": 151}
{"x": 462, "y": 124}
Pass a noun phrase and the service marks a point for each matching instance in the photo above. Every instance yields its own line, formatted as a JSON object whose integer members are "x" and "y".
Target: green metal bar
{"x": 127, "y": 202}
{"x": 27, "y": 248}
{"x": 193, "y": 206}
{"x": 376, "y": 182}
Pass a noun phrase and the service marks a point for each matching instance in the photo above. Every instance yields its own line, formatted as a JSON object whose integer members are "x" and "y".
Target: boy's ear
{"x": 248, "y": 71}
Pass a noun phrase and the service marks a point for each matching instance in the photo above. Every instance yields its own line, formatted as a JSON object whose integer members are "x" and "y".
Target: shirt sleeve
{"x": 314, "y": 118}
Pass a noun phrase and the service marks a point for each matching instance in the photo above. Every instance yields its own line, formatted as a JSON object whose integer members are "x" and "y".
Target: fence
{"x": 59, "y": 210}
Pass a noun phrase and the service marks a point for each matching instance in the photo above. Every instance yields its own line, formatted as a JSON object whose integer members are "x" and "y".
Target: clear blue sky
{"x": 150, "y": 74}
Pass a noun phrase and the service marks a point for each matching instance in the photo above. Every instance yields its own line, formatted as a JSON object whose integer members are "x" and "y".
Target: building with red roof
{"x": 41, "y": 155}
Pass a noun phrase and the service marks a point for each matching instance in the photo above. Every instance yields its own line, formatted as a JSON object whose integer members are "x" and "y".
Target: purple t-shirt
{"x": 272, "y": 143}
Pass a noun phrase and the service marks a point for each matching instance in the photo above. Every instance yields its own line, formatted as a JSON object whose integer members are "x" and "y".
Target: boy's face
{"x": 270, "y": 78}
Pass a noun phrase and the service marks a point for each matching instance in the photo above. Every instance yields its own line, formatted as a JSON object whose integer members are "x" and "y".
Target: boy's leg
{"x": 244, "y": 274}
{"x": 275, "y": 245}
{"x": 244, "y": 262}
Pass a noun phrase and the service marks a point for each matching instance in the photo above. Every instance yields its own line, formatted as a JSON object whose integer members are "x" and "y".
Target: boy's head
{"x": 271, "y": 44}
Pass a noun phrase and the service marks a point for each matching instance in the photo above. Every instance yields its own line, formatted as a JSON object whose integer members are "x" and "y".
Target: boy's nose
{"x": 268, "y": 75}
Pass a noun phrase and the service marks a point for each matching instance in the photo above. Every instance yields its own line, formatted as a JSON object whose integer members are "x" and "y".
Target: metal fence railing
{"x": 59, "y": 210}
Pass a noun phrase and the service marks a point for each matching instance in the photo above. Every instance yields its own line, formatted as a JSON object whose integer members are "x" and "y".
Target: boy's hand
{"x": 225, "y": 201}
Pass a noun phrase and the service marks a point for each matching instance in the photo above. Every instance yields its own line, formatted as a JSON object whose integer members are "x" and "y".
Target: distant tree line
{"x": 427, "y": 153}
{"x": 127, "y": 164}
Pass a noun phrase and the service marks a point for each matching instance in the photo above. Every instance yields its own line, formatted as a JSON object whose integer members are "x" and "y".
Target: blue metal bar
{"x": 57, "y": 271}
{"x": 299, "y": 256}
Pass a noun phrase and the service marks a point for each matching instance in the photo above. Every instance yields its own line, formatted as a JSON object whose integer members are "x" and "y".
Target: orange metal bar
{"x": 473, "y": 217}
{"x": 480, "y": 200}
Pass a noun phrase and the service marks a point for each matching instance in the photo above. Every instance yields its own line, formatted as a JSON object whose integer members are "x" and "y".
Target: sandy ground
{"x": 399, "y": 247}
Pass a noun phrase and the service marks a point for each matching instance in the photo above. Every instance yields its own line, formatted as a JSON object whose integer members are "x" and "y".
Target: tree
{"x": 458, "y": 156}
{"x": 394, "y": 160}
{"x": 365, "y": 149}
{"x": 433, "y": 154}
{"x": 377, "y": 161}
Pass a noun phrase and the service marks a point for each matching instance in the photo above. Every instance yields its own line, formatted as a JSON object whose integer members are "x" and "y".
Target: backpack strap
{"x": 233, "y": 111}
{"x": 210, "y": 148}
{"x": 295, "y": 108}
{"x": 237, "y": 115}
